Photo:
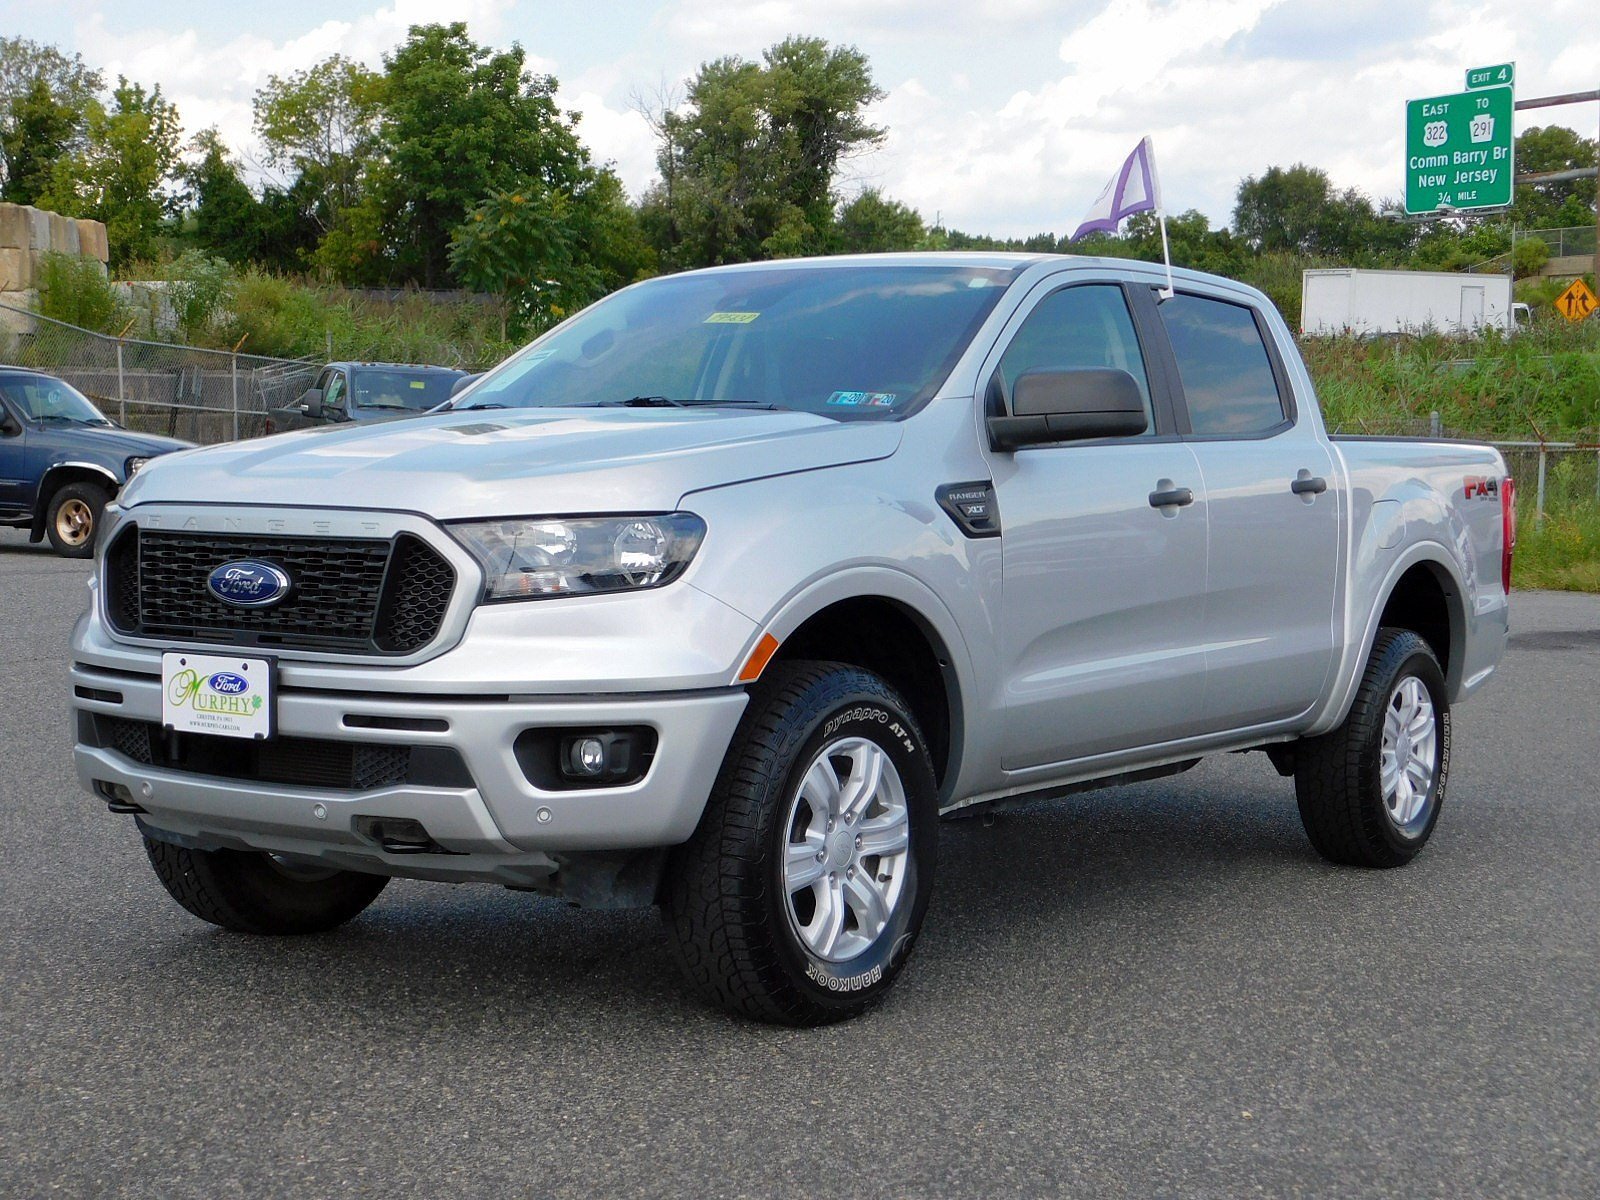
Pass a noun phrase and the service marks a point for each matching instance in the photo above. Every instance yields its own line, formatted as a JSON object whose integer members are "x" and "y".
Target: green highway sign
{"x": 1459, "y": 151}
{"x": 1499, "y": 75}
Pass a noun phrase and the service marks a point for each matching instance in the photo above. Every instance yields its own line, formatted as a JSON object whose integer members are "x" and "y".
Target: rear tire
{"x": 1370, "y": 792}
{"x": 250, "y": 892}
{"x": 799, "y": 896}
{"x": 73, "y": 519}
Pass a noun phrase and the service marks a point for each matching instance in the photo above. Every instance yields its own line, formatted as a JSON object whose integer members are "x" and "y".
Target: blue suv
{"x": 62, "y": 460}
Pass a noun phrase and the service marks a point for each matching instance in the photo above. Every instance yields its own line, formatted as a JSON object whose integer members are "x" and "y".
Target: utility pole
{"x": 1579, "y": 173}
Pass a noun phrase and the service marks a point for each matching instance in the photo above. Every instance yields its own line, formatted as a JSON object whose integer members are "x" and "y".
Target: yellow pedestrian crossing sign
{"x": 1577, "y": 302}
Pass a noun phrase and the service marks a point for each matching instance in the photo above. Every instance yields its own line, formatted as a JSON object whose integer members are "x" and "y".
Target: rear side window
{"x": 1087, "y": 326}
{"x": 1228, "y": 381}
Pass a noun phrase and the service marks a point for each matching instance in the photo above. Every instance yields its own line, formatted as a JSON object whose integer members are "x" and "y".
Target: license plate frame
{"x": 224, "y": 695}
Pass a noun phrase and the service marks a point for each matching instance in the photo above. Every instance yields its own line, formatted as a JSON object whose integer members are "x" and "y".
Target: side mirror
{"x": 311, "y": 404}
{"x": 1069, "y": 405}
{"x": 9, "y": 425}
{"x": 463, "y": 384}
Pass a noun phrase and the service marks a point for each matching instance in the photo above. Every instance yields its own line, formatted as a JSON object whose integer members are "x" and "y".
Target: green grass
{"x": 1542, "y": 383}
{"x": 1562, "y": 553}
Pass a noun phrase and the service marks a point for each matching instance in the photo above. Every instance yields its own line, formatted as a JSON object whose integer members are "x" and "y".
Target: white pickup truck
{"x": 721, "y": 593}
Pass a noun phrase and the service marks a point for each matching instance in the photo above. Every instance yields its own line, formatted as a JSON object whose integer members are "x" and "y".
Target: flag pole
{"x": 1166, "y": 255}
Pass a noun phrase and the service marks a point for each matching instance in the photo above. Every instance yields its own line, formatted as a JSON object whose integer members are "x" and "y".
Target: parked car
{"x": 62, "y": 460}
{"x": 723, "y": 591}
{"x": 348, "y": 392}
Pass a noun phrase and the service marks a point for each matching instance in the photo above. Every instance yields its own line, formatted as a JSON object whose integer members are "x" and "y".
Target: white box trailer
{"x": 1379, "y": 302}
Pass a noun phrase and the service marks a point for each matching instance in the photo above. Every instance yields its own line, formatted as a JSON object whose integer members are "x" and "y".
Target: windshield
{"x": 852, "y": 342}
{"x": 378, "y": 388}
{"x": 44, "y": 399}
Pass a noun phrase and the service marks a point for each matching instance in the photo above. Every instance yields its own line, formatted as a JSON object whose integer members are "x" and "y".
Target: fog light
{"x": 598, "y": 756}
{"x": 587, "y": 756}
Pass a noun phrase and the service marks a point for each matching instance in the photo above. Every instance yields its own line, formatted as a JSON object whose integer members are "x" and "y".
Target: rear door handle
{"x": 1178, "y": 496}
{"x": 1307, "y": 484}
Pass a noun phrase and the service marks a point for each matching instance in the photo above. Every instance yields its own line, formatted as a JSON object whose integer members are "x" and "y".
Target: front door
{"x": 13, "y": 462}
{"x": 1103, "y": 586}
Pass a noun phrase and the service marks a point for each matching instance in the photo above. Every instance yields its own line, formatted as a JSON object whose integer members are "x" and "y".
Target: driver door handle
{"x": 1178, "y": 496}
{"x": 1308, "y": 485}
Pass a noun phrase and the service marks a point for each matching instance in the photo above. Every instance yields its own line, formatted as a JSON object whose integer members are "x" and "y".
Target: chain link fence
{"x": 204, "y": 396}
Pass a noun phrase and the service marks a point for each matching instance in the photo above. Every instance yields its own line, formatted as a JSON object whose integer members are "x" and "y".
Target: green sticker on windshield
{"x": 419, "y": 384}
{"x": 731, "y": 318}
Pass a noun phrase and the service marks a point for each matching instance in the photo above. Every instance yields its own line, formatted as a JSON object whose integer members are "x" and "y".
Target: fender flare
{"x": 920, "y": 602}
{"x": 1348, "y": 679}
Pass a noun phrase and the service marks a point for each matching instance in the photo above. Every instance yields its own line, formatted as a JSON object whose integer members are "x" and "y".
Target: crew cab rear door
{"x": 1101, "y": 615}
{"x": 1273, "y": 512}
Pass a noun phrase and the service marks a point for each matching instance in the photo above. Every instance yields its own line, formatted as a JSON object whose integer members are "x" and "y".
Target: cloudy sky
{"x": 1004, "y": 116}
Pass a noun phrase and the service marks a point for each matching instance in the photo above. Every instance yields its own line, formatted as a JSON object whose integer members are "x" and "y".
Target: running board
{"x": 987, "y": 808}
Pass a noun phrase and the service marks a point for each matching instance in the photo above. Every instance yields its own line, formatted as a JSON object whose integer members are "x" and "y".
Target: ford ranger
{"x": 721, "y": 593}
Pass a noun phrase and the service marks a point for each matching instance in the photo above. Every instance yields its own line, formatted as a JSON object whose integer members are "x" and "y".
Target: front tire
{"x": 251, "y": 892}
{"x": 73, "y": 519}
{"x": 1370, "y": 792}
{"x": 799, "y": 896}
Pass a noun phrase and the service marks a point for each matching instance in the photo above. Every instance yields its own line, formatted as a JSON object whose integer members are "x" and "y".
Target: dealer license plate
{"x": 217, "y": 694}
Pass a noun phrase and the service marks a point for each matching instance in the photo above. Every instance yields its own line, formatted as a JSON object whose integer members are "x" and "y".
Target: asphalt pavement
{"x": 1152, "y": 991}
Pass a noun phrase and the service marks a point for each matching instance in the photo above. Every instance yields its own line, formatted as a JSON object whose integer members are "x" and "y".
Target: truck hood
{"x": 114, "y": 443}
{"x": 510, "y": 462}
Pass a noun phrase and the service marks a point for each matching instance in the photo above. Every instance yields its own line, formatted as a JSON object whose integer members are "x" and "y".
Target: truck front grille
{"x": 349, "y": 595}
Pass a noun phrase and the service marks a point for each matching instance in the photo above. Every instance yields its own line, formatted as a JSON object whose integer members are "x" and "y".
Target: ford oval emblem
{"x": 248, "y": 584}
{"x": 226, "y": 683}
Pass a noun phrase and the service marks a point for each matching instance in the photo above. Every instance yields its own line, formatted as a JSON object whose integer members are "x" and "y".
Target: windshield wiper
{"x": 643, "y": 402}
{"x": 761, "y": 404}
{"x": 478, "y": 407}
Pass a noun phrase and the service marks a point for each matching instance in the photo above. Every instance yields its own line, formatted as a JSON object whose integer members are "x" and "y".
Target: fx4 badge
{"x": 1479, "y": 487}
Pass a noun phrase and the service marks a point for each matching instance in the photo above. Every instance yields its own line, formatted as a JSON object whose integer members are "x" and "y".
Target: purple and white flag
{"x": 1134, "y": 189}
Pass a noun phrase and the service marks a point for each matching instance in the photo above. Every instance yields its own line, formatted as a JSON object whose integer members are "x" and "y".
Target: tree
{"x": 549, "y": 253}
{"x": 130, "y": 154}
{"x": 228, "y": 219}
{"x": 522, "y": 246}
{"x": 41, "y": 131}
{"x": 1282, "y": 209}
{"x": 1553, "y": 205}
{"x": 44, "y": 101}
{"x": 461, "y": 122}
{"x": 748, "y": 166}
{"x": 324, "y": 124}
{"x": 872, "y": 222}
{"x": 1297, "y": 211}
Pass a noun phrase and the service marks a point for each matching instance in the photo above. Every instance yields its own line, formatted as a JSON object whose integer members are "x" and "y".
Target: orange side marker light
{"x": 759, "y": 658}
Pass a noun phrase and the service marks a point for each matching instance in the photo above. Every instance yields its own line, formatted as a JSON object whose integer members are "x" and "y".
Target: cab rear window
{"x": 1228, "y": 381}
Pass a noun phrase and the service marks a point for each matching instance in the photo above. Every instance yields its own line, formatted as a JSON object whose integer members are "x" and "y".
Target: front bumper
{"x": 501, "y": 829}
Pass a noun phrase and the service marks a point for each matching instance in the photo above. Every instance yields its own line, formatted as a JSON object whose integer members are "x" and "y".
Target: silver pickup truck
{"x": 719, "y": 595}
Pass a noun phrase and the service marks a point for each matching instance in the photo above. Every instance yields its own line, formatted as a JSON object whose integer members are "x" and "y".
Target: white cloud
{"x": 1226, "y": 88}
{"x": 619, "y": 136}
{"x": 1004, "y": 116}
{"x": 212, "y": 81}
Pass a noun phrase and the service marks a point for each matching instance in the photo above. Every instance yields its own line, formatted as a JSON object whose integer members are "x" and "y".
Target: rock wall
{"x": 26, "y": 233}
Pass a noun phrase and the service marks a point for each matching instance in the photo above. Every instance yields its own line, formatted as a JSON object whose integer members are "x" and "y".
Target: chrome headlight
{"x": 530, "y": 558}
{"x": 131, "y": 467}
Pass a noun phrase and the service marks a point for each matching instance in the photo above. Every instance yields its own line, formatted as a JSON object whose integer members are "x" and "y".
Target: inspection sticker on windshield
{"x": 217, "y": 694}
{"x": 731, "y": 318}
{"x": 419, "y": 384}
{"x": 863, "y": 399}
